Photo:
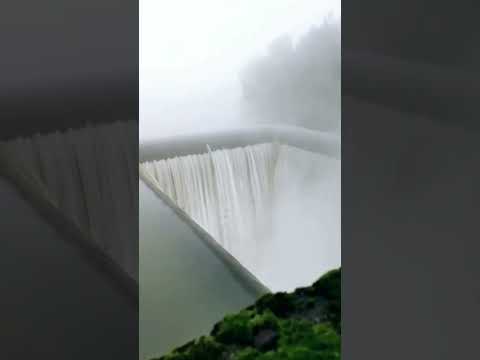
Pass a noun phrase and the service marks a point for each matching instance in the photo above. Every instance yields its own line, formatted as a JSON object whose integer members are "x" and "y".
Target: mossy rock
{"x": 281, "y": 304}
{"x": 303, "y": 325}
{"x": 204, "y": 348}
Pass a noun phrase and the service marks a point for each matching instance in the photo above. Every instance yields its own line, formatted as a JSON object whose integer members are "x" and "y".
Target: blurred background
{"x": 214, "y": 65}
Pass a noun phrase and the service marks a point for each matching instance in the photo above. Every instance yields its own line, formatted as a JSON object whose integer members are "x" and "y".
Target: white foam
{"x": 274, "y": 207}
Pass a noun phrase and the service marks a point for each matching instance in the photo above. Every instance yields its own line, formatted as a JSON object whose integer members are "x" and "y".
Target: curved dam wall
{"x": 187, "y": 282}
{"x": 315, "y": 141}
{"x": 302, "y": 237}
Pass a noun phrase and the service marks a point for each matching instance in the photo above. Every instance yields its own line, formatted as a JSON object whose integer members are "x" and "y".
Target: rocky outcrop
{"x": 302, "y": 325}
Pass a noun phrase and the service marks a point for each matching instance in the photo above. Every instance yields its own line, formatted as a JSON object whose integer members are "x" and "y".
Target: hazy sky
{"x": 191, "y": 53}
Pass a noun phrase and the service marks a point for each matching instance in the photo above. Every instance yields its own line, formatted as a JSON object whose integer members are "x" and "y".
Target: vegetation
{"x": 298, "y": 81}
{"x": 303, "y": 325}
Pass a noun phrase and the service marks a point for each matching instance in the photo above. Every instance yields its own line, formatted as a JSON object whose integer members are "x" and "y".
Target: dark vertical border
{"x": 66, "y": 65}
{"x": 410, "y": 175}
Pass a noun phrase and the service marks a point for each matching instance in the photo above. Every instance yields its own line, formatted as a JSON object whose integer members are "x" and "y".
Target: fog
{"x": 306, "y": 221}
{"x": 297, "y": 83}
{"x": 276, "y": 209}
{"x": 206, "y": 66}
{"x": 215, "y": 65}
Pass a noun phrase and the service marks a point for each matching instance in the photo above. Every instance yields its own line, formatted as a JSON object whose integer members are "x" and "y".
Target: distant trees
{"x": 298, "y": 84}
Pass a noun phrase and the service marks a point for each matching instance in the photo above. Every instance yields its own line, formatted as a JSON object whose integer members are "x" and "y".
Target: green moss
{"x": 281, "y": 304}
{"x": 303, "y": 325}
{"x": 236, "y": 329}
{"x": 329, "y": 287}
{"x": 262, "y": 321}
{"x": 246, "y": 354}
{"x": 204, "y": 348}
{"x": 319, "y": 337}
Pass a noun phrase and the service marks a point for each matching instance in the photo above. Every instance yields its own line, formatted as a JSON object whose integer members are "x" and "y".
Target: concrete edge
{"x": 250, "y": 282}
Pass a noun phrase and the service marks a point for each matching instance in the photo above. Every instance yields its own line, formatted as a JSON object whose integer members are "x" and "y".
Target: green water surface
{"x": 185, "y": 287}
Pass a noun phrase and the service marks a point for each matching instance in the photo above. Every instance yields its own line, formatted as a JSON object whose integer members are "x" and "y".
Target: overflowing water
{"x": 227, "y": 192}
{"x": 276, "y": 208}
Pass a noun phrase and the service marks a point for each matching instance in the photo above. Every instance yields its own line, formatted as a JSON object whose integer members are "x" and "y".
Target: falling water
{"x": 227, "y": 192}
{"x": 273, "y": 207}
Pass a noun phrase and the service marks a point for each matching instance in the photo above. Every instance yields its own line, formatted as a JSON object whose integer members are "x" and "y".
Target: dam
{"x": 223, "y": 219}
{"x": 253, "y": 199}
{"x": 230, "y": 216}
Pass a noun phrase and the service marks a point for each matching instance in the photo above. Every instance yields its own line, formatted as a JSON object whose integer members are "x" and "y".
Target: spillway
{"x": 275, "y": 207}
{"x": 227, "y": 192}
{"x": 187, "y": 283}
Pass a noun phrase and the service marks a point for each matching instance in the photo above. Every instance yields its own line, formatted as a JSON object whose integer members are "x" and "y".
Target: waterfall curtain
{"x": 226, "y": 192}
{"x": 80, "y": 172}
{"x": 269, "y": 205}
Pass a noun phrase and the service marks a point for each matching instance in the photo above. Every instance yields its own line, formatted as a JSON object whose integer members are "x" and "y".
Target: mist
{"x": 208, "y": 66}
{"x": 297, "y": 84}
{"x": 305, "y": 241}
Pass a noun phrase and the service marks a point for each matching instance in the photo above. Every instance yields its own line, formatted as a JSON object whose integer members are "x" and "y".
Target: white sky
{"x": 191, "y": 53}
